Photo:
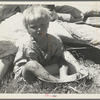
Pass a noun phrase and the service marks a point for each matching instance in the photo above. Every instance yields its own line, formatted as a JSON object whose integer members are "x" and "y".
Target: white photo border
{"x": 49, "y": 96}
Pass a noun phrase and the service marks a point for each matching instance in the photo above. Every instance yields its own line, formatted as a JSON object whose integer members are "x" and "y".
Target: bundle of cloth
{"x": 85, "y": 31}
{"x": 76, "y": 33}
{"x": 11, "y": 32}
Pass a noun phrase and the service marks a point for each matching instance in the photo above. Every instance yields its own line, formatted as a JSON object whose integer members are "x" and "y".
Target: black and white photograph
{"x": 50, "y": 48}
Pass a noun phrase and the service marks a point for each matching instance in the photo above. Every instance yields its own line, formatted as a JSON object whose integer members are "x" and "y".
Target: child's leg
{"x": 52, "y": 69}
{"x": 62, "y": 70}
{"x": 37, "y": 70}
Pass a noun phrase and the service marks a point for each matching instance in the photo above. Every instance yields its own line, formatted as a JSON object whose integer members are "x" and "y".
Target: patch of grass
{"x": 84, "y": 86}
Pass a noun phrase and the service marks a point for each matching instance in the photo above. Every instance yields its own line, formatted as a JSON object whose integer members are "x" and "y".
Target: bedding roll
{"x": 85, "y": 33}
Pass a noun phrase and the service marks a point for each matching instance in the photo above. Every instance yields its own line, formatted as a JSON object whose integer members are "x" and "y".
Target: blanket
{"x": 11, "y": 31}
{"x": 85, "y": 33}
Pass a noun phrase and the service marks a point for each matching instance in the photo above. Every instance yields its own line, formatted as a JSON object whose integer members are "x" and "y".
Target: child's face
{"x": 38, "y": 28}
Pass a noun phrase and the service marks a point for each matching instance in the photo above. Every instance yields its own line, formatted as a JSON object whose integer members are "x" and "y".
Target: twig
{"x": 54, "y": 89}
{"x": 70, "y": 87}
{"x": 22, "y": 90}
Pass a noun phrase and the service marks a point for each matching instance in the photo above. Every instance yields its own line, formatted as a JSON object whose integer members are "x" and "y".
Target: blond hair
{"x": 35, "y": 12}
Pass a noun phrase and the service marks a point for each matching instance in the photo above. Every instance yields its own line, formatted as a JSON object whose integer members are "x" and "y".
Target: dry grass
{"x": 89, "y": 58}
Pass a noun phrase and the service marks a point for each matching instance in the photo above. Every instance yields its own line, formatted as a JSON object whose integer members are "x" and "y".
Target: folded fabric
{"x": 85, "y": 33}
{"x": 92, "y": 13}
{"x": 56, "y": 29}
{"x": 94, "y": 21}
{"x": 11, "y": 30}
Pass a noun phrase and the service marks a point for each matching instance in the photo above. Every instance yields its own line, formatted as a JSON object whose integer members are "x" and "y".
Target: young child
{"x": 42, "y": 52}
{"x": 35, "y": 50}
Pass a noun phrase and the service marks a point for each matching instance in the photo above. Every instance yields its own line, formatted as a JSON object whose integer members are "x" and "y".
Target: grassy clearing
{"x": 90, "y": 58}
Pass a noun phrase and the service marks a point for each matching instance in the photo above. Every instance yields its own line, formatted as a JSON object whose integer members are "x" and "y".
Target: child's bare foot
{"x": 74, "y": 77}
{"x": 69, "y": 78}
{"x": 56, "y": 80}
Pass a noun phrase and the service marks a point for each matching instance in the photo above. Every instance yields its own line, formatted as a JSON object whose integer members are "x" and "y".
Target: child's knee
{"x": 28, "y": 71}
{"x": 31, "y": 66}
